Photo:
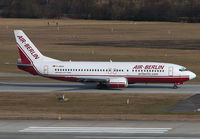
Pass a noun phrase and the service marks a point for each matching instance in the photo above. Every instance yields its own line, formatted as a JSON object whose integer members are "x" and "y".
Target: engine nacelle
{"x": 118, "y": 82}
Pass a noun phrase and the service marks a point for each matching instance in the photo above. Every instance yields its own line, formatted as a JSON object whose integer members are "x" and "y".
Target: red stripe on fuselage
{"x": 157, "y": 80}
{"x": 131, "y": 79}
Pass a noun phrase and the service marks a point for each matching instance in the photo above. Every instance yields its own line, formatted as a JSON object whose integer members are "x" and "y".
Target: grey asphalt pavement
{"x": 78, "y": 129}
{"x": 91, "y": 88}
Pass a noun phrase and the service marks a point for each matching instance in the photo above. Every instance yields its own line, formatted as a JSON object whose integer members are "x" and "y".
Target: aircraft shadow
{"x": 160, "y": 86}
{"x": 81, "y": 86}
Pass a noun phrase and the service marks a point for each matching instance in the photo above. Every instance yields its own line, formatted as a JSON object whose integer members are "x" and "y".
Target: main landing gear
{"x": 101, "y": 85}
{"x": 176, "y": 85}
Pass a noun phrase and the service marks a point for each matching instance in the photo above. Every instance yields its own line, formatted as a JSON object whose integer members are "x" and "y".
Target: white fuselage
{"x": 133, "y": 71}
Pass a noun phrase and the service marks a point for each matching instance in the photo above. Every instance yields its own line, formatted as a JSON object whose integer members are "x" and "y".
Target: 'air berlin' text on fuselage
{"x": 28, "y": 47}
{"x": 148, "y": 67}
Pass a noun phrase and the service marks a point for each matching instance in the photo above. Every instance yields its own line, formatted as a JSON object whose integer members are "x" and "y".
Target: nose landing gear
{"x": 176, "y": 85}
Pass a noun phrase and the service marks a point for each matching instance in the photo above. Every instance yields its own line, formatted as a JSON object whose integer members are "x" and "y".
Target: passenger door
{"x": 46, "y": 69}
{"x": 170, "y": 71}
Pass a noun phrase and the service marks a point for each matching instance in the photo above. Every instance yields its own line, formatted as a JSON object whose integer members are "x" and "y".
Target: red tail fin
{"x": 25, "y": 64}
{"x": 24, "y": 59}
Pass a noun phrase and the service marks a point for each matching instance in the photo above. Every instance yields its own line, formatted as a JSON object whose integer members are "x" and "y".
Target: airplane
{"x": 105, "y": 74}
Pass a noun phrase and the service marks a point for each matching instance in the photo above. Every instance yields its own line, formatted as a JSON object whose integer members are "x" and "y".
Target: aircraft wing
{"x": 91, "y": 79}
{"x": 117, "y": 82}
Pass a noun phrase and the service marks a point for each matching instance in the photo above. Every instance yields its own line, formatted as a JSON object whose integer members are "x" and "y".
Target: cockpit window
{"x": 183, "y": 69}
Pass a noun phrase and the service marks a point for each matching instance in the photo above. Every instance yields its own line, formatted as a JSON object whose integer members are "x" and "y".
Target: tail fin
{"x": 27, "y": 50}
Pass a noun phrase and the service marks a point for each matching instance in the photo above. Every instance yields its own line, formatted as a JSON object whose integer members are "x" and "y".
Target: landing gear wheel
{"x": 101, "y": 86}
{"x": 175, "y": 86}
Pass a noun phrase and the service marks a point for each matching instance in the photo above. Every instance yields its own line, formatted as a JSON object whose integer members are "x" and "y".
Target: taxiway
{"x": 88, "y": 87}
{"x": 91, "y": 88}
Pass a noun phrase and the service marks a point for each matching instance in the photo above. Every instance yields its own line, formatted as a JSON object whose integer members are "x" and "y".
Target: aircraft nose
{"x": 192, "y": 75}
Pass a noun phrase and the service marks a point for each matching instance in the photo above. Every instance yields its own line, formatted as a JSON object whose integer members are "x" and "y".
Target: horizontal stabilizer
{"x": 18, "y": 64}
{"x": 25, "y": 65}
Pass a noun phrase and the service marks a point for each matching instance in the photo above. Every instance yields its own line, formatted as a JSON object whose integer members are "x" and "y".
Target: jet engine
{"x": 118, "y": 82}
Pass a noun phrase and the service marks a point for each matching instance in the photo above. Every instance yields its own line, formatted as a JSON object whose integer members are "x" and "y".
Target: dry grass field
{"x": 80, "y": 40}
{"x": 104, "y": 40}
{"x": 91, "y": 106}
